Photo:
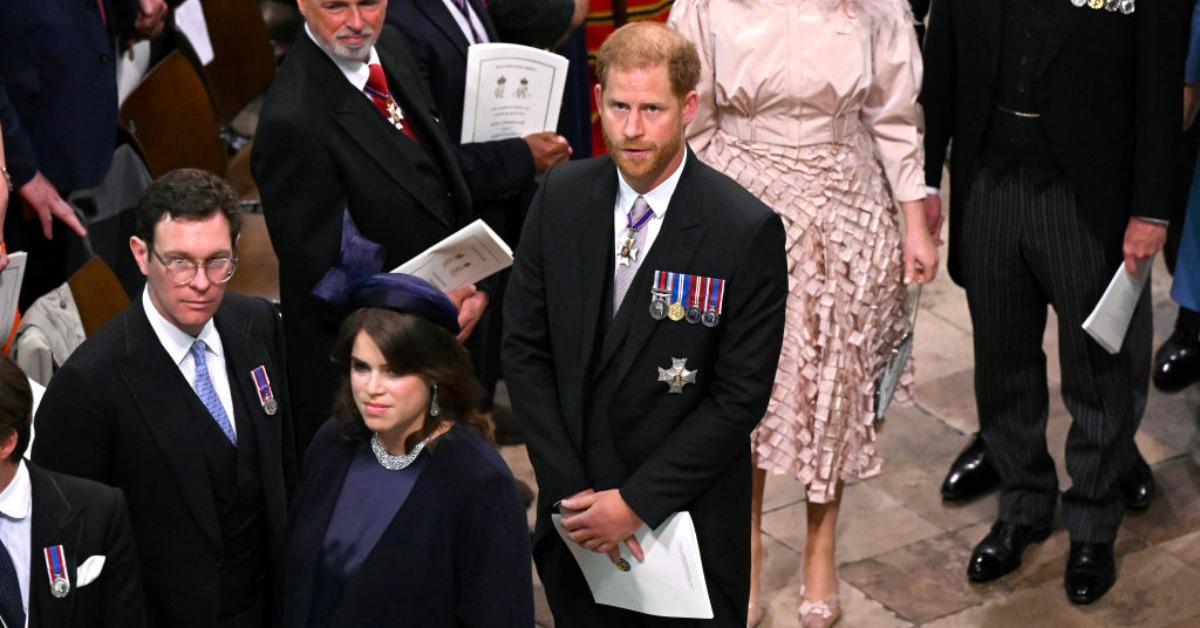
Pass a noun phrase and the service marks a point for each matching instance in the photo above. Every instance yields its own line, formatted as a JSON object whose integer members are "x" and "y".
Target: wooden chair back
{"x": 258, "y": 269}
{"x": 98, "y": 294}
{"x": 243, "y": 63}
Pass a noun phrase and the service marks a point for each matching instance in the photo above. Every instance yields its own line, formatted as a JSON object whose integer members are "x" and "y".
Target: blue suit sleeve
{"x": 19, "y": 157}
{"x": 1191, "y": 70}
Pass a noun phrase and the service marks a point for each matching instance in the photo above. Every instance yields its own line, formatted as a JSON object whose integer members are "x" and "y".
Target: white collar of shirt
{"x": 177, "y": 342}
{"x": 356, "y": 72}
{"x": 658, "y": 198}
{"x": 16, "y": 501}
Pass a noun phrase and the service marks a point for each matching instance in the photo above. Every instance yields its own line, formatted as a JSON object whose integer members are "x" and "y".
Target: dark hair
{"x": 187, "y": 194}
{"x": 414, "y": 346}
{"x": 16, "y": 405}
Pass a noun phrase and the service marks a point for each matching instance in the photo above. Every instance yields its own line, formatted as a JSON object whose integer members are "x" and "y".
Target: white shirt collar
{"x": 658, "y": 198}
{"x": 177, "y": 342}
{"x": 356, "y": 72}
{"x": 17, "y": 498}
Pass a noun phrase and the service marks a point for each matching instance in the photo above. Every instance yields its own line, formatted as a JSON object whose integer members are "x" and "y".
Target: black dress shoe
{"x": 971, "y": 474}
{"x": 1091, "y": 572}
{"x": 1137, "y": 487}
{"x": 999, "y": 553}
{"x": 1177, "y": 362}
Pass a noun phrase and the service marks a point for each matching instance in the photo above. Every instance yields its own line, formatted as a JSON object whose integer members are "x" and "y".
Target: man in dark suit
{"x": 333, "y": 139}
{"x": 500, "y": 173}
{"x": 181, "y": 402}
{"x": 638, "y": 403}
{"x": 1063, "y": 120}
{"x": 58, "y": 110}
{"x": 91, "y": 577}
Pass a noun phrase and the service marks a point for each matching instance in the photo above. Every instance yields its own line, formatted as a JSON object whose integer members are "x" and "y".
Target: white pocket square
{"x": 89, "y": 570}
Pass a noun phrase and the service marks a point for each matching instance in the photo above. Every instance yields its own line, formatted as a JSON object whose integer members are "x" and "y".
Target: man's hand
{"x": 934, "y": 217}
{"x": 1143, "y": 238}
{"x": 548, "y": 149}
{"x": 149, "y": 22}
{"x": 600, "y": 522}
{"x": 41, "y": 197}
{"x": 471, "y": 304}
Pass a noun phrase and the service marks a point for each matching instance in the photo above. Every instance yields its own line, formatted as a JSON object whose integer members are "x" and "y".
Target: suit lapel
{"x": 244, "y": 352}
{"x": 673, "y": 250}
{"x": 359, "y": 119}
{"x": 1061, "y": 19}
{"x": 52, "y": 524}
{"x": 439, "y": 15}
{"x": 153, "y": 380}
{"x": 594, "y": 236}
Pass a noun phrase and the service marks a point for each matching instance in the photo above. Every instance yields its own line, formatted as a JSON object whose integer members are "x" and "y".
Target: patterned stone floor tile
{"x": 1030, "y": 607}
{"x": 940, "y": 348}
{"x": 869, "y": 522}
{"x": 1186, "y": 548}
{"x": 857, "y": 609}
{"x": 922, "y": 581}
{"x": 951, "y": 399}
{"x": 781, "y": 491}
{"x": 1175, "y": 510}
{"x": 1153, "y": 589}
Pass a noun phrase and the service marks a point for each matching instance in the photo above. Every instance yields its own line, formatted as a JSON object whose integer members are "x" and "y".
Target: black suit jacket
{"x": 492, "y": 169}
{"x": 87, "y": 519}
{"x": 679, "y": 452}
{"x": 1109, "y": 99}
{"x": 322, "y": 148}
{"x": 456, "y": 554}
{"x": 110, "y": 415}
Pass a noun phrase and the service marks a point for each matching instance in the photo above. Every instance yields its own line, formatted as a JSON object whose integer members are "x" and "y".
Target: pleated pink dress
{"x": 811, "y": 105}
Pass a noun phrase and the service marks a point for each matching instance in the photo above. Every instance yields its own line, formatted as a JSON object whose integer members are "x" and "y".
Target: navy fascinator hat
{"x": 357, "y": 282}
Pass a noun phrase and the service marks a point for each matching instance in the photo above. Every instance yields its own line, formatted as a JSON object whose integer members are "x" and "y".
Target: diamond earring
{"x": 434, "y": 408}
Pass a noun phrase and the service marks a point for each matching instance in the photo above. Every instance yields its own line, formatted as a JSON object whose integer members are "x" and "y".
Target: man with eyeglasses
{"x": 181, "y": 402}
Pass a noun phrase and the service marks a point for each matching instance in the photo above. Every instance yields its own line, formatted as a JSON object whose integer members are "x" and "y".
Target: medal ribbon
{"x": 713, "y": 295}
{"x": 55, "y": 567}
{"x": 686, "y": 280}
{"x": 707, "y": 291}
{"x": 262, "y": 383}
{"x": 695, "y": 292}
{"x": 720, "y": 295}
{"x": 676, "y": 280}
{"x": 636, "y": 225}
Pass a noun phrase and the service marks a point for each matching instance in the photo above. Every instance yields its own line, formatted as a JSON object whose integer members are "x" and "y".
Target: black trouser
{"x": 1024, "y": 247}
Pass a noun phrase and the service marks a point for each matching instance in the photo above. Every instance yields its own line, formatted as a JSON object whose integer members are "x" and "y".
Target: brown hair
{"x": 411, "y": 345}
{"x": 187, "y": 194}
{"x": 16, "y": 405}
{"x": 646, "y": 44}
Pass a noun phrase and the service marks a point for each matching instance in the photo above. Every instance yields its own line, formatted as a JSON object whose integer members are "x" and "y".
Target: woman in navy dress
{"x": 405, "y": 514}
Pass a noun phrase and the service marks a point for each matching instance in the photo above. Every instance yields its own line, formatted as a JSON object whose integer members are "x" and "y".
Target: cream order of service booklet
{"x": 470, "y": 254}
{"x": 668, "y": 583}
{"x": 1110, "y": 319}
{"x": 511, "y": 91}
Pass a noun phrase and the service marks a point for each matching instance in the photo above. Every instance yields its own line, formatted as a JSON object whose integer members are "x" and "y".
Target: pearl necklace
{"x": 394, "y": 463}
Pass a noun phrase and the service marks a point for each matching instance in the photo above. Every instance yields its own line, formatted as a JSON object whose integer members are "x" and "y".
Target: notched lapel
{"x": 53, "y": 522}
{"x": 593, "y": 234}
{"x": 151, "y": 378}
{"x": 439, "y": 15}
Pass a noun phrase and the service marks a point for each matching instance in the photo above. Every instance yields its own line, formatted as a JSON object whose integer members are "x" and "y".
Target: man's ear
{"x": 141, "y": 254}
{"x": 691, "y": 103}
{"x": 8, "y": 444}
{"x": 599, "y": 100}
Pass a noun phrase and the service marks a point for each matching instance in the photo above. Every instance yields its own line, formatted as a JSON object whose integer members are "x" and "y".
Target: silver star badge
{"x": 677, "y": 376}
{"x": 395, "y": 115}
{"x": 629, "y": 253}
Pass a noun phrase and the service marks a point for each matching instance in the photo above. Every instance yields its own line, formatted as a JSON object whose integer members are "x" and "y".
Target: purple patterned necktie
{"x": 637, "y": 218}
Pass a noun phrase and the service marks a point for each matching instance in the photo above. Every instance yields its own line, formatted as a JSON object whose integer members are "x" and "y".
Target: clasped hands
{"x": 600, "y": 522}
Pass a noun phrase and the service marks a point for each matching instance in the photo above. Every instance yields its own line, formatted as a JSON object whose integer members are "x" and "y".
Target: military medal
{"x": 712, "y": 303}
{"x": 660, "y": 295}
{"x": 692, "y": 313}
{"x": 677, "y": 376}
{"x": 262, "y": 384}
{"x": 1079, "y": 3}
{"x": 1127, "y": 7}
{"x": 1095, "y": 4}
{"x": 675, "y": 312}
{"x": 1111, "y": 5}
{"x": 56, "y": 569}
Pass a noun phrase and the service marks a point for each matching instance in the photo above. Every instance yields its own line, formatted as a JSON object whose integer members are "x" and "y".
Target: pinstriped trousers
{"x": 1024, "y": 247}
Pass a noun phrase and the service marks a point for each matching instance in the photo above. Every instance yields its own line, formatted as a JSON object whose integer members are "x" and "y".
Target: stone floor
{"x": 903, "y": 552}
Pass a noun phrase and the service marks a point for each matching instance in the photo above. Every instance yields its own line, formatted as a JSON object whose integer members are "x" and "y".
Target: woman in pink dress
{"x": 812, "y": 106}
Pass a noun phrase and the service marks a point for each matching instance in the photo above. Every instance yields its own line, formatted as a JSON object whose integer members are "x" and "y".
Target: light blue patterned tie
{"x": 208, "y": 394}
